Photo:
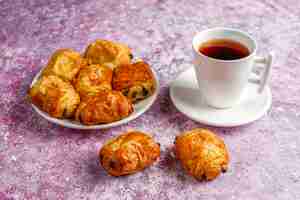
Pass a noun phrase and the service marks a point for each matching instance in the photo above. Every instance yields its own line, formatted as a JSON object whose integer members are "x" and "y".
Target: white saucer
{"x": 186, "y": 97}
{"x": 139, "y": 109}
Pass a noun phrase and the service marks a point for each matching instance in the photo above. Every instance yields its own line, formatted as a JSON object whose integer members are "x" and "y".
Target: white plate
{"x": 186, "y": 97}
{"x": 139, "y": 109}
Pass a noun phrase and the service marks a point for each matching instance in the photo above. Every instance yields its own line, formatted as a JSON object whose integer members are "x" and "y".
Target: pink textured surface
{"x": 39, "y": 160}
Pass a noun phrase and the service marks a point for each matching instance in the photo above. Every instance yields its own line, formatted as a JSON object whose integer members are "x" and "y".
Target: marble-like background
{"x": 39, "y": 160}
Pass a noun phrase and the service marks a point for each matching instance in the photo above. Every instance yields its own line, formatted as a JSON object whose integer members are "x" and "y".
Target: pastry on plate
{"x": 108, "y": 53}
{"x": 64, "y": 63}
{"x": 129, "y": 153}
{"x": 55, "y": 96}
{"x": 92, "y": 79}
{"x": 105, "y": 107}
{"x": 202, "y": 154}
{"x": 136, "y": 81}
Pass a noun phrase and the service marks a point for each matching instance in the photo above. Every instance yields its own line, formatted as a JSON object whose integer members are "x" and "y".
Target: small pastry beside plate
{"x": 129, "y": 153}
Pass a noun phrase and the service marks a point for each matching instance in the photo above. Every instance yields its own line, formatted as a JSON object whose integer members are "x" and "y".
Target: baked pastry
{"x": 108, "y": 53}
{"x": 202, "y": 154}
{"x": 55, "y": 96}
{"x": 105, "y": 107}
{"x": 128, "y": 153}
{"x": 136, "y": 81}
{"x": 93, "y": 79}
{"x": 64, "y": 63}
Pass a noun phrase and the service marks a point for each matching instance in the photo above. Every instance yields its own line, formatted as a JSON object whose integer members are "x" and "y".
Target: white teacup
{"x": 222, "y": 82}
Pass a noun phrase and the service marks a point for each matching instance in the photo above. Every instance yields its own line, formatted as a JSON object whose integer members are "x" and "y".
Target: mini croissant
{"x": 202, "y": 154}
{"x": 128, "y": 153}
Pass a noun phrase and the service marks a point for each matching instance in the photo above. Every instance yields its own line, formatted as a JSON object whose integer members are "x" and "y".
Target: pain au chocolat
{"x": 202, "y": 153}
{"x": 129, "y": 153}
{"x": 136, "y": 81}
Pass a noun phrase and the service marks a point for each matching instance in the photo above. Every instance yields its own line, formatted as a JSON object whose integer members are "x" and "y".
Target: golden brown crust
{"x": 105, "y": 107}
{"x": 53, "y": 95}
{"x": 93, "y": 79}
{"x": 136, "y": 81}
{"x": 202, "y": 153}
{"x": 108, "y": 53}
{"x": 128, "y": 153}
{"x": 64, "y": 63}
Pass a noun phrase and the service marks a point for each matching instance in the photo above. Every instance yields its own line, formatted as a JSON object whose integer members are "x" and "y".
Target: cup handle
{"x": 262, "y": 70}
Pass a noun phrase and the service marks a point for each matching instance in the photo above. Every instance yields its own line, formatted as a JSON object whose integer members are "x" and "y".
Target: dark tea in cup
{"x": 224, "y": 49}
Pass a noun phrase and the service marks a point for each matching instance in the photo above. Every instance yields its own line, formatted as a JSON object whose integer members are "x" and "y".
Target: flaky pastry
{"x": 136, "y": 81}
{"x": 128, "y": 153}
{"x": 64, "y": 63}
{"x": 105, "y": 107}
{"x": 93, "y": 79}
{"x": 108, "y": 53}
{"x": 55, "y": 96}
{"x": 202, "y": 154}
